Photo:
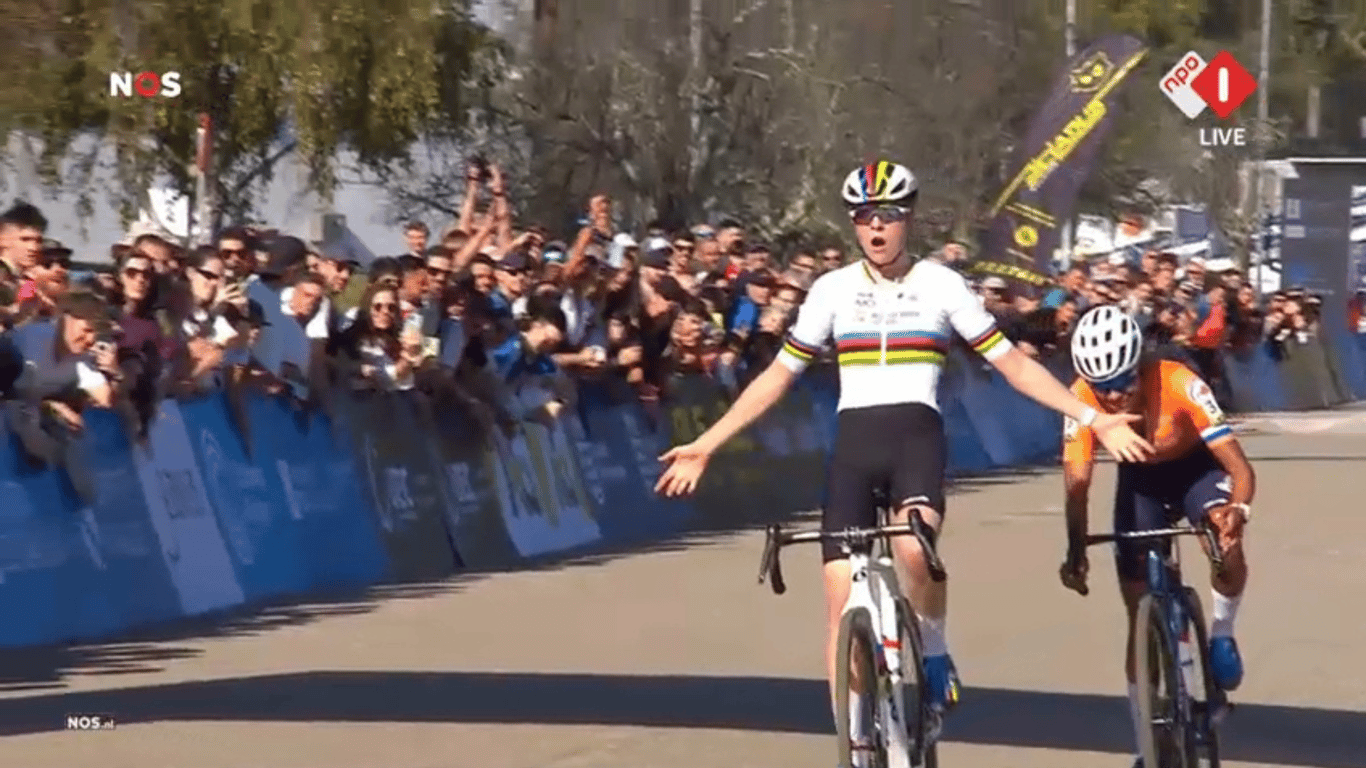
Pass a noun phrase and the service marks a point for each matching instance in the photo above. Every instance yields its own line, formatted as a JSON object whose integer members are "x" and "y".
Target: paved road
{"x": 674, "y": 658}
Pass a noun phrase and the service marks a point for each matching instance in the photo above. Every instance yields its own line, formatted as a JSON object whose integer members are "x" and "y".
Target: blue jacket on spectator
{"x": 744, "y": 316}
{"x": 511, "y": 360}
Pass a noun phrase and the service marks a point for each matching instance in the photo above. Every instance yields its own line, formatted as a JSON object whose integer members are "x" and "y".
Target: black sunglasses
{"x": 207, "y": 275}
{"x": 135, "y": 272}
{"x": 887, "y": 214}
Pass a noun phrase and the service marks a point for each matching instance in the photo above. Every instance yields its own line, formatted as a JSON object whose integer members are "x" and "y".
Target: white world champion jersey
{"x": 891, "y": 336}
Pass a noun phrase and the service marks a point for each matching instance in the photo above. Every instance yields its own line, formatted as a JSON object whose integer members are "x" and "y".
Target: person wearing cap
{"x": 744, "y": 313}
{"x": 337, "y": 263}
{"x": 284, "y": 346}
{"x": 622, "y": 248}
{"x": 655, "y": 261}
{"x": 49, "y": 280}
{"x": 523, "y": 366}
{"x": 554, "y": 256}
{"x": 994, "y": 294}
{"x": 514, "y": 277}
{"x": 43, "y": 362}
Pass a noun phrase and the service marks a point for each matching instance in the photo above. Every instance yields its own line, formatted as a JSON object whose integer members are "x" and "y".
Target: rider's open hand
{"x": 1073, "y": 574}
{"x": 1119, "y": 438}
{"x": 686, "y": 465}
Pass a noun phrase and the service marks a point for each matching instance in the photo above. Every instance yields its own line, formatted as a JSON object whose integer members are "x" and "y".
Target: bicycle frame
{"x": 1168, "y": 590}
{"x": 873, "y": 586}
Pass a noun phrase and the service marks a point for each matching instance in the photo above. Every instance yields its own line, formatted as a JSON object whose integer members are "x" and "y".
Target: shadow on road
{"x": 1086, "y": 722}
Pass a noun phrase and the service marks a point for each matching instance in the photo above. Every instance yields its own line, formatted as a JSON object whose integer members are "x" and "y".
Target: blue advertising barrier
{"x": 207, "y": 515}
{"x": 624, "y": 453}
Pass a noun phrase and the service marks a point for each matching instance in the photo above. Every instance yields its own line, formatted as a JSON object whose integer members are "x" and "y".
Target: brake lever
{"x": 770, "y": 567}
{"x": 1216, "y": 556}
{"x": 926, "y": 538}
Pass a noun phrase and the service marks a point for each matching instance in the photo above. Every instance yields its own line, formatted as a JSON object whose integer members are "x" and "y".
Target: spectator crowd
{"x": 494, "y": 316}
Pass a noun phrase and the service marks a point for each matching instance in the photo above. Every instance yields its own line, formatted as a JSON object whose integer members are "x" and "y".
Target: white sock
{"x": 1225, "y": 610}
{"x": 1139, "y": 725}
{"x": 932, "y": 636}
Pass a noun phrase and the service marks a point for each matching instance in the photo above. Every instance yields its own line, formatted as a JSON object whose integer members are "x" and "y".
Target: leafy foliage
{"x": 368, "y": 76}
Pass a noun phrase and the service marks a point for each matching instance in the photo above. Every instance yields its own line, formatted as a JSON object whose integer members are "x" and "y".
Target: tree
{"x": 310, "y": 79}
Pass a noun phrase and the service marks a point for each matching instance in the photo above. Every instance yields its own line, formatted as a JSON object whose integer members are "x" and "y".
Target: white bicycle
{"x": 880, "y": 654}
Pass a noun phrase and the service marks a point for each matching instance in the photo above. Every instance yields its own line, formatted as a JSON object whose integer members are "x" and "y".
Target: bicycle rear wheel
{"x": 859, "y": 669}
{"x": 913, "y": 698}
{"x": 1204, "y": 749}
{"x": 1157, "y": 669}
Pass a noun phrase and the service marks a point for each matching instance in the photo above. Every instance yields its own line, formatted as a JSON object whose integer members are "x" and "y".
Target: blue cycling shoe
{"x": 942, "y": 679}
{"x": 1225, "y": 662}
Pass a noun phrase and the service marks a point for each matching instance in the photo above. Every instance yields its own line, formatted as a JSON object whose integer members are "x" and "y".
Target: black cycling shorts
{"x": 1149, "y": 496}
{"x": 900, "y": 448}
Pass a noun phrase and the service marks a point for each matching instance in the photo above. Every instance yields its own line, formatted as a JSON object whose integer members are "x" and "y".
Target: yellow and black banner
{"x": 1057, "y": 155}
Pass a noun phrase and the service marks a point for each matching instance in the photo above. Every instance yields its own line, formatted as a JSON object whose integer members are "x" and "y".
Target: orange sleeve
{"x": 1078, "y": 442}
{"x": 1187, "y": 391}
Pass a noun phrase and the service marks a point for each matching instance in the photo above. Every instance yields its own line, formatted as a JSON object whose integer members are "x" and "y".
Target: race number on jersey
{"x": 1200, "y": 394}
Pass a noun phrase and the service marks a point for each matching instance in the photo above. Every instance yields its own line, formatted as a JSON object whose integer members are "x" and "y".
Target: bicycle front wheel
{"x": 1204, "y": 749}
{"x": 1157, "y": 669}
{"x": 913, "y": 700}
{"x": 859, "y": 672}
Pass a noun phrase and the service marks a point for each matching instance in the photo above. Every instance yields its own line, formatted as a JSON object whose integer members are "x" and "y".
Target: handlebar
{"x": 1205, "y": 531}
{"x": 771, "y": 567}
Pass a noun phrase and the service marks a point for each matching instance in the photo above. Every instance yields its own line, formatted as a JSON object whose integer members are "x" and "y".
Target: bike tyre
{"x": 1151, "y": 638}
{"x": 856, "y": 629}
{"x": 915, "y": 697}
{"x": 1196, "y": 616}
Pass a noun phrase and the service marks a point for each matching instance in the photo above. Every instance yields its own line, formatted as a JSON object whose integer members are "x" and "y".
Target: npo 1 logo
{"x": 144, "y": 84}
{"x": 1222, "y": 84}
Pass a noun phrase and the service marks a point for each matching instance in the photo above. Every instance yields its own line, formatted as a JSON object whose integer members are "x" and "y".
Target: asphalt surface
{"x": 672, "y": 656}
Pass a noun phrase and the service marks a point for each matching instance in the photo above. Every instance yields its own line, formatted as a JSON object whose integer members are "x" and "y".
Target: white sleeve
{"x": 223, "y": 332}
{"x": 317, "y": 326}
{"x": 88, "y": 378}
{"x": 969, "y": 317}
{"x": 815, "y": 322}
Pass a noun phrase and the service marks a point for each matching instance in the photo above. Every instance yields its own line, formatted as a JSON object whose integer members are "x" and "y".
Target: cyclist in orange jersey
{"x": 1198, "y": 471}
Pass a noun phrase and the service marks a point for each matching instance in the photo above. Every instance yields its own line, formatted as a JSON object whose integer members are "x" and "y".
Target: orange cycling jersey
{"x": 1179, "y": 413}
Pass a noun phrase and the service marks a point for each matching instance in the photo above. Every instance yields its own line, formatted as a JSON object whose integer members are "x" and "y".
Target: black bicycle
{"x": 1178, "y": 697}
{"x": 880, "y": 652}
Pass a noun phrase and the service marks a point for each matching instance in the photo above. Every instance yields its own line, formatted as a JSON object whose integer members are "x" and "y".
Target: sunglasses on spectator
{"x": 516, "y": 272}
{"x": 383, "y": 307}
{"x": 887, "y": 214}
{"x": 208, "y": 275}
{"x": 228, "y": 253}
{"x": 438, "y": 272}
{"x": 135, "y": 272}
{"x": 53, "y": 263}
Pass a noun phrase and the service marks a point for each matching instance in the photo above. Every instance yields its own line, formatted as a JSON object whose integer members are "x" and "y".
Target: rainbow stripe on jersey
{"x": 866, "y": 348}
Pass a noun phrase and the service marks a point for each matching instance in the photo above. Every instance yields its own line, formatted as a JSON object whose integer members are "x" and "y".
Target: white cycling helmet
{"x": 881, "y": 182}
{"x": 1106, "y": 344}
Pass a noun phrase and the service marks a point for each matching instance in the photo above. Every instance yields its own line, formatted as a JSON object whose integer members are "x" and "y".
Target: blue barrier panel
{"x": 1351, "y": 361}
{"x": 247, "y": 498}
{"x": 40, "y": 570}
{"x": 118, "y": 529}
{"x": 966, "y": 453}
{"x": 619, "y": 448}
{"x": 318, "y": 473}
